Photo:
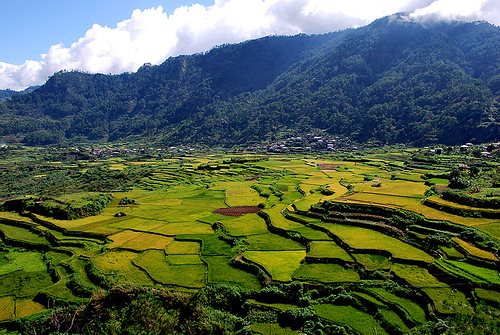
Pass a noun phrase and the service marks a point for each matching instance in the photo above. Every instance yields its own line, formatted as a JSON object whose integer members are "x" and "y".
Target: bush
{"x": 463, "y": 198}
{"x": 471, "y": 235}
{"x": 295, "y": 317}
{"x": 222, "y": 297}
{"x": 285, "y": 293}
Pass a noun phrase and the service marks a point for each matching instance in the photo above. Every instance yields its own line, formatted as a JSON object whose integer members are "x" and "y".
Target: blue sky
{"x": 29, "y": 27}
{"x": 40, "y": 37}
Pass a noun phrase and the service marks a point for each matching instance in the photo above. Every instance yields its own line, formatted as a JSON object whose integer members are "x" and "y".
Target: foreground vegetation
{"x": 385, "y": 241}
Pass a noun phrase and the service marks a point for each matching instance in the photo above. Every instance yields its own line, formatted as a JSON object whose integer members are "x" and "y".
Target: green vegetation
{"x": 411, "y": 310}
{"x": 348, "y": 315}
{"x": 167, "y": 273}
{"x": 325, "y": 273}
{"x": 281, "y": 265}
{"x": 440, "y": 90}
{"x": 327, "y": 249}
{"x": 308, "y": 261}
{"x": 373, "y": 262}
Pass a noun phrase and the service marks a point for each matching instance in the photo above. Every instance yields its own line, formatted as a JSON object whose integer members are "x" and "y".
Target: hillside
{"x": 393, "y": 81}
{"x": 5, "y": 94}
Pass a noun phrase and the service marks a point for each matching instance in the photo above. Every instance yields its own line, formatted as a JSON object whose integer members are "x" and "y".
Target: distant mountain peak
{"x": 401, "y": 17}
{"x": 397, "y": 80}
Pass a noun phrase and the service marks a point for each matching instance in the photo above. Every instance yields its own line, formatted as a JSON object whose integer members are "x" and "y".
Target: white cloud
{"x": 152, "y": 35}
{"x": 455, "y": 10}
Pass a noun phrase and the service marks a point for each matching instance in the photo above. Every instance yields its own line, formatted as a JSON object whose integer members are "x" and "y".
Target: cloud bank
{"x": 152, "y": 35}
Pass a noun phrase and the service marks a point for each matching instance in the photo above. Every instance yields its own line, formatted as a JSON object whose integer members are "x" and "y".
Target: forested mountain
{"x": 4, "y": 94}
{"x": 393, "y": 81}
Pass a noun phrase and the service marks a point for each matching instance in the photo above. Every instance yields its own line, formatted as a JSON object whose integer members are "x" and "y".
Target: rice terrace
{"x": 380, "y": 241}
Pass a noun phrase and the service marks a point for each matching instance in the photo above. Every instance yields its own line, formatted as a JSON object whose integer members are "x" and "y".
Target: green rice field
{"x": 378, "y": 269}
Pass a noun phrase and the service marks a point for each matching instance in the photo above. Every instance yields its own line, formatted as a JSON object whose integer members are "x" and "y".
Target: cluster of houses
{"x": 118, "y": 152}
{"x": 486, "y": 150}
{"x": 309, "y": 142}
{"x": 121, "y": 151}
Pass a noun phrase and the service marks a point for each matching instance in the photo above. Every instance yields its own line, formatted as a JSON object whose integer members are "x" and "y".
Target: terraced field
{"x": 358, "y": 225}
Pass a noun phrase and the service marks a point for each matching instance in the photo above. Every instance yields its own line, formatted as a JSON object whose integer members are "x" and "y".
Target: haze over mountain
{"x": 393, "y": 81}
{"x": 4, "y": 94}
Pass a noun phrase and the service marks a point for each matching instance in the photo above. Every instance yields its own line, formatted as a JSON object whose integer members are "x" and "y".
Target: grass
{"x": 63, "y": 238}
{"x": 413, "y": 310}
{"x": 78, "y": 272}
{"x": 305, "y": 203}
{"x": 272, "y": 329}
{"x": 452, "y": 204}
{"x": 122, "y": 237}
{"x": 369, "y": 298}
{"x": 446, "y": 299}
{"x": 473, "y": 251}
{"x": 182, "y": 227}
{"x": 452, "y": 253}
{"x": 219, "y": 271}
{"x": 415, "y": 205}
{"x": 458, "y": 272}
{"x": 155, "y": 264}
{"x": 492, "y": 229}
{"x": 386, "y": 199}
{"x": 211, "y": 245}
{"x": 23, "y": 284}
{"x": 477, "y": 272}
{"x": 248, "y": 224}
{"x": 242, "y": 195}
{"x": 438, "y": 181}
{"x": 363, "y": 239}
{"x": 279, "y": 221}
{"x": 137, "y": 224}
{"x": 359, "y": 321}
{"x": 147, "y": 241}
{"x": 417, "y": 276}
{"x": 184, "y": 259}
{"x": 274, "y": 242}
{"x": 489, "y": 295}
{"x": 7, "y": 308}
{"x": 26, "y": 307}
{"x": 60, "y": 290}
{"x": 327, "y": 249}
{"x": 393, "y": 319}
{"x": 22, "y": 235}
{"x": 9, "y": 284}
{"x": 281, "y": 265}
{"x": 311, "y": 234}
{"x": 414, "y": 177}
{"x": 274, "y": 306}
{"x": 56, "y": 257}
{"x": 183, "y": 248}
{"x": 373, "y": 262}
{"x": 398, "y": 188}
{"x": 168, "y": 238}
{"x": 119, "y": 265}
{"x": 325, "y": 273}
{"x": 23, "y": 261}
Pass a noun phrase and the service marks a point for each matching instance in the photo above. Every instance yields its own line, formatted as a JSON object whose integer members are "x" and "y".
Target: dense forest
{"x": 393, "y": 81}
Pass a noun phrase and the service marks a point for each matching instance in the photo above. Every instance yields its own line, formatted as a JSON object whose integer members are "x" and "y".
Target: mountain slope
{"x": 4, "y": 94}
{"x": 394, "y": 80}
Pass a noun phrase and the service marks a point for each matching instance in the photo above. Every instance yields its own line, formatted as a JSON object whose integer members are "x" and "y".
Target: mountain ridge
{"x": 393, "y": 81}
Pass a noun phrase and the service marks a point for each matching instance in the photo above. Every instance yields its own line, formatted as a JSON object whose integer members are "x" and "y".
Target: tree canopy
{"x": 393, "y": 81}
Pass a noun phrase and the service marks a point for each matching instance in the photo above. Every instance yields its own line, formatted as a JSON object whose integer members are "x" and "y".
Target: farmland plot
{"x": 177, "y": 233}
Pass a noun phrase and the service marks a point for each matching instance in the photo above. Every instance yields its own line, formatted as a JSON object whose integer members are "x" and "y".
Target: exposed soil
{"x": 236, "y": 211}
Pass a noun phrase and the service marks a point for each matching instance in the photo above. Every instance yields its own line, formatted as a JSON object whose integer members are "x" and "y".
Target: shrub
{"x": 295, "y": 317}
{"x": 471, "y": 235}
